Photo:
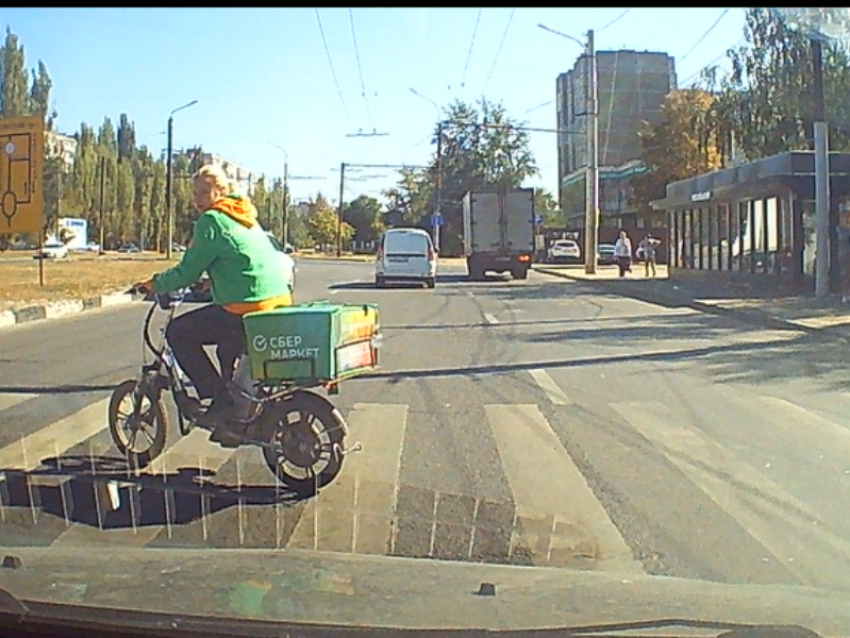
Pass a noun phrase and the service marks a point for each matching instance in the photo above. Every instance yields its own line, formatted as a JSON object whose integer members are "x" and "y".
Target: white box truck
{"x": 498, "y": 231}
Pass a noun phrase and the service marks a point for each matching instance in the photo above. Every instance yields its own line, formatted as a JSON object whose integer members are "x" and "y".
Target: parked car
{"x": 606, "y": 254}
{"x": 564, "y": 250}
{"x": 52, "y": 250}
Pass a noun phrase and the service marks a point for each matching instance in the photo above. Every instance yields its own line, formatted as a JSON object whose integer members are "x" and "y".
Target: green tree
{"x": 259, "y": 197}
{"x": 547, "y": 207}
{"x": 365, "y": 215}
{"x": 14, "y": 97}
{"x": 682, "y": 145}
{"x": 276, "y": 204}
{"x": 322, "y": 223}
{"x": 299, "y": 230}
{"x": 765, "y": 104}
{"x": 481, "y": 147}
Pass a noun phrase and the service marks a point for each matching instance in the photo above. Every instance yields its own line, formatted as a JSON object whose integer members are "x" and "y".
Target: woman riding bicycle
{"x": 245, "y": 276}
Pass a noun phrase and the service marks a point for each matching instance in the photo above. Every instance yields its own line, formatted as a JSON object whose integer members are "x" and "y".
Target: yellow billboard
{"x": 21, "y": 175}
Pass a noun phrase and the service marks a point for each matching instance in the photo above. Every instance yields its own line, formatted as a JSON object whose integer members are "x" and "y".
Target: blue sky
{"x": 262, "y": 75}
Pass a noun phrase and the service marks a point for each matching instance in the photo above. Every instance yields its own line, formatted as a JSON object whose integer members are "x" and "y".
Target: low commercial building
{"x": 756, "y": 219}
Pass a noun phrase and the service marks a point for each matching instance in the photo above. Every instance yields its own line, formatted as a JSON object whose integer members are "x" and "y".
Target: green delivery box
{"x": 312, "y": 342}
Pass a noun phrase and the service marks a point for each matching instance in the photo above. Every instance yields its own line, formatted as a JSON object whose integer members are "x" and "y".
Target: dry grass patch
{"x": 78, "y": 276}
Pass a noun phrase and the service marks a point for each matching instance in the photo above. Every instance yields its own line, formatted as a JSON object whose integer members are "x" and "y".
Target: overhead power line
{"x": 709, "y": 64}
{"x": 471, "y": 46}
{"x": 614, "y": 20}
{"x": 539, "y": 106}
{"x": 359, "y": 67}
{"x": 333, "y": 70}
{"x": 705, "y": 35}
{"x": 499, "y": 51}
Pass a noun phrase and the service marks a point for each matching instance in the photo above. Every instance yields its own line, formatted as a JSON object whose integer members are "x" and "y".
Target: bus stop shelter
{"x": 756, "y": 218}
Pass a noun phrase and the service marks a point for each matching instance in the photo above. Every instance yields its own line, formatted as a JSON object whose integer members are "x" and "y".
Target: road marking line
{"x": 11, "y": 399}
{"x": 785, "y": 526}
{"x": 355, "y": 513}
{"x": 27, "y": 453}
{"x": 553, "y": 391}
{"x": 490, "y": 318}
{"x": 559, "y": 520}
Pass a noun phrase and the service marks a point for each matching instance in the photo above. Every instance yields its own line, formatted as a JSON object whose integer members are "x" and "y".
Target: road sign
{"x": 538, "y": 220}
{"x": 21, "y": 175}
{"x": 436, "y": 219}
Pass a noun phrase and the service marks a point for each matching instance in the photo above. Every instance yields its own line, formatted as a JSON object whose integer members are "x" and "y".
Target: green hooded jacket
{"x": 230, "y": 245}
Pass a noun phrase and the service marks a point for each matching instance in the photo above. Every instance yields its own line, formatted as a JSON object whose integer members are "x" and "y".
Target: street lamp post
{"x": 169, "y": 212}
{"x": 591, "y": 208}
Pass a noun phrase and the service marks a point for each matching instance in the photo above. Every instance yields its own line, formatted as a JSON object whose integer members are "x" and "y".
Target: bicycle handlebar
{"x": 164, "y": 298}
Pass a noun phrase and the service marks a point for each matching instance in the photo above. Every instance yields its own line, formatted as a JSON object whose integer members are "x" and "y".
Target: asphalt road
{"x": 538, "y": 422}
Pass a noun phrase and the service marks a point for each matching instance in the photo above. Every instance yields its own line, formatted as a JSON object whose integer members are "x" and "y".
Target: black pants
{"x": 207, "y": 326}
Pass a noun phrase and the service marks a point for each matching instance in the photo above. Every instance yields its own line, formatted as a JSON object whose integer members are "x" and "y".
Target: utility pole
{"x": 102, "y": 233}
{"x": 169, "y": 212}
{"x": 285, "y": 212}
{"x": 821, "y": 148}
{"x": 339, "y": 214}
{"x": 439, "y": 212}
{"x": 591, "y": 213}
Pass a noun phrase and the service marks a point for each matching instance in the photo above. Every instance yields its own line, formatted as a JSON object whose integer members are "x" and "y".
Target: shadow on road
{"x": 640, "y": 330}
{"x": 476, "y": 325}
{"x": 56, "y": 389}
{"x": 443, "y": 279}
{"x": 425, "y": 523}
{"x": 354, "y": 285}
{"x": 101, "y": 492}
{"x": 769, "y": 359}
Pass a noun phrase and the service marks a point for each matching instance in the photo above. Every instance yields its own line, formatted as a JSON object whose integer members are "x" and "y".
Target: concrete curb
{"x": 63, "y": 308}
{"x": 754, "y": 317}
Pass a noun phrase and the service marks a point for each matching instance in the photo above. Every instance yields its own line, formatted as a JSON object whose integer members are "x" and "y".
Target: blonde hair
{"x": 216, "y": 175}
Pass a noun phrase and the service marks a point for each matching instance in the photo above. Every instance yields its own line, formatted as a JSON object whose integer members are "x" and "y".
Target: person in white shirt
{"x": 623, "y": 253}
{"x": 647, "y": 249}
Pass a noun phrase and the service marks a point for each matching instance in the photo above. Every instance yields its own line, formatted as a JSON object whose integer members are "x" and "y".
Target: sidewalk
{"x": 768, "y": 303}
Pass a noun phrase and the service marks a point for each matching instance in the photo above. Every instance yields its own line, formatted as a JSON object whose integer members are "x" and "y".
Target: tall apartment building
{"x": 243, "y": 178}
{"x": 631, "y": 88}
{"x": 62, "y": 146}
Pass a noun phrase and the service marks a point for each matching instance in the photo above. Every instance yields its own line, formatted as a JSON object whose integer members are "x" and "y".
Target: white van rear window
{"x": 401, "y": 243}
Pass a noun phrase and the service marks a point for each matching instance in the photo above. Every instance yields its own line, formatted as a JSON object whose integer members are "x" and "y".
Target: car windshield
{"x": 404, "y": 242}
{"x": 456, "y": 406}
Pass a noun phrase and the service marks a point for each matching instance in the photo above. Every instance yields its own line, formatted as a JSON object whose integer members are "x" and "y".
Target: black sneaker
{"x": 191, "y": 407}
{"x": 219, "y": 412}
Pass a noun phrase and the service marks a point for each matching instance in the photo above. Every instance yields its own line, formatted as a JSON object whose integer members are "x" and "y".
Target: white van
{"x": 406, "y": 254}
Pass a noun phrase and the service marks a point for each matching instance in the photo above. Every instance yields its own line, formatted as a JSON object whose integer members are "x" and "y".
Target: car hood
{"x": 300, "y": 586}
